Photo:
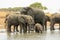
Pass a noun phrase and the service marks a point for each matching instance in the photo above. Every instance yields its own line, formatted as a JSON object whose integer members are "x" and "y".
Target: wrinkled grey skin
{"x": 11, "y": 19}
{"x": 19, "y": 19}
{"x": 26, "y": 21}
{"x": 55, "y": 18}
{"x": 37, "y": 14}
{"x": 47, "y": 18}
{"x": 38, "y": 28}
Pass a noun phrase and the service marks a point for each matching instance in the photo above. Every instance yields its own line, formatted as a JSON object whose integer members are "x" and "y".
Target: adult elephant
{"x": 37, "y": 14}
{"x": 11, "y": 19}
{"x": 19, "y": 19}
{"x": 55, "y": 18}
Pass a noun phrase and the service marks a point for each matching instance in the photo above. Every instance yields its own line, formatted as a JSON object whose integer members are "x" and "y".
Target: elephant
{"x": 27, "y": 22}
{"x": 20, "y": 19}
{"x": 37, "y": 14}
{"x": 55, "y": 18}
{"x": 38, "y": 28}
{"x": 11, "y": 19}
{"x": 47, "y": 18}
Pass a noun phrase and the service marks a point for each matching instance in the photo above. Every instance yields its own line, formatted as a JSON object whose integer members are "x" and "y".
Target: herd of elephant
{"x": 31, "y": 19}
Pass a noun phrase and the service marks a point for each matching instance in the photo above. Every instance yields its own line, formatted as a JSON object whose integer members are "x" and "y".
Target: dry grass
{"x": 2, "y": 18}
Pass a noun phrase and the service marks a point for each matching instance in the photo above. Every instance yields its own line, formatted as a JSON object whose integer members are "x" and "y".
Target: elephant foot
{"x": 24, "y": 32}
{"x": 50, "y": 29}
{"x": 28, "y": 31}
{"x": 45, "y": 29}
{"x": 53, "y": 28}
{"x": 20, "y": 31}
{"x": 14, "y": 31}
{"x": 17, "y": 31}
{"x": 9, "y": 31}
{"x": 37, "y": 31}
{"x": 41, "y": 31}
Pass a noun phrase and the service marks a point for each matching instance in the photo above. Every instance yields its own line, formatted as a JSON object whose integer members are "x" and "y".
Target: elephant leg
{"x": 21, "y": 27}
{"x": 42, "y": 26}
{"x": 36, "y": 30}
{"x": 41, "y": 31}
{"x": 9, "y": 28}
{"x": 14, "y": 29}
{"x": 52, "y": 26}
{"x": 45, "y": 25}
{"x": 24, "y": 28}
{"x": 28, "y": 29}
{"x": 59, "y": 26}
{"x": 17, "y": 29}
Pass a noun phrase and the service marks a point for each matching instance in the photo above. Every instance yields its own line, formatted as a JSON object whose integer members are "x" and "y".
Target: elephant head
{"x": 25, "y": 10}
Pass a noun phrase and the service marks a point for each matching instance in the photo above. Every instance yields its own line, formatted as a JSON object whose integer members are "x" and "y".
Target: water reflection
{"x": 46, "y": 35}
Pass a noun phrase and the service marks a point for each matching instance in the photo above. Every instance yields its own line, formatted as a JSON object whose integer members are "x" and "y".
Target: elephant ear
{"x": 25, "y": 10}
{"x": 30, "y": 12}
{"x": 21, "y": 19}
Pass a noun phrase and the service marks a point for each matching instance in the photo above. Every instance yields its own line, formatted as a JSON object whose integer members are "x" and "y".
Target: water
{"x": 46, "y": 35}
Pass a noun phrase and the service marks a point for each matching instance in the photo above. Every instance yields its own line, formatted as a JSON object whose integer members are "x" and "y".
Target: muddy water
{"x": 46, "y": 35}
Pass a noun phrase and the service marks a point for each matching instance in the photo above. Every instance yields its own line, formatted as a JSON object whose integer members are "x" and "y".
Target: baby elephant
{"x": 38, "y": 28}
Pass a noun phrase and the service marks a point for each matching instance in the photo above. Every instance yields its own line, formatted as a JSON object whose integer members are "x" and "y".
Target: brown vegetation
{"x": 2, "y": 18}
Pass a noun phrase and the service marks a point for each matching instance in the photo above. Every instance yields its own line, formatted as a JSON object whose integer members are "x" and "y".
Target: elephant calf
{"x": 27, "y": 22}
{"x": 38, "y": 28}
